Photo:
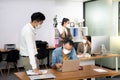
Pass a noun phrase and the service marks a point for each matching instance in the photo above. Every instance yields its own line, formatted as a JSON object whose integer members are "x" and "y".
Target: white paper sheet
{"x": 99, "y": 70}
{"x": 30, "y": 72}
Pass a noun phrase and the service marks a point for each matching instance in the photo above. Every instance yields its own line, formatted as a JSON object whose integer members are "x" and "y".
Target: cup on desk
{"x": 80, "y": 67}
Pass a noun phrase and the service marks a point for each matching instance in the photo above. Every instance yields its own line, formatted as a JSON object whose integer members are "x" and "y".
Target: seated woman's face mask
{"x": 84, "y": 41}
{"x": 66, "y": 51}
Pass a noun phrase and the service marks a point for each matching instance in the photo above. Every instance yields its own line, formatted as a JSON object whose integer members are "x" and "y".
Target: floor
{"x": 10, "y": 76}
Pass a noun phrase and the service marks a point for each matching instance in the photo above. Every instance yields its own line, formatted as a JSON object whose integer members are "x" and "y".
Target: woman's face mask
{"x": 66, "y": 51}
{"x": 68, "y": 25}
{"x": 84, "y": 41}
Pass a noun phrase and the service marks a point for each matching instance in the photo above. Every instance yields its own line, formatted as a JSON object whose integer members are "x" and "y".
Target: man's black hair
{"x": 68, "y": 41}
{"x": 38, "y": 16}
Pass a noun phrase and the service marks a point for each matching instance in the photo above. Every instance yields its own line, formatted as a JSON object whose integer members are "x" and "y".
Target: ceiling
{"x": 73, "y": 0}
{"x": 80, "y": 0}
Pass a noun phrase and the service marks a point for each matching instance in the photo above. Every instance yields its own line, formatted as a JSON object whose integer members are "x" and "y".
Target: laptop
{"x": 70, "y": 65}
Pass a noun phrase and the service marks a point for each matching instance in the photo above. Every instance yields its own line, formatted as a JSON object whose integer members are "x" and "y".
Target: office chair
{"x": 42, "y": 51}
{"x": 12, "y": 57}
{"x": 0, "y": 61}
{"x": 76, "y": 45}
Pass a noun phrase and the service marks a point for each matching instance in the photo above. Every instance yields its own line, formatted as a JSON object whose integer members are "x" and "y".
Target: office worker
{"x": 65, "y": 52}
{"x": 27, "y": 42}
{"x": 84, "y": 46}
{"x": 65, "y": 32}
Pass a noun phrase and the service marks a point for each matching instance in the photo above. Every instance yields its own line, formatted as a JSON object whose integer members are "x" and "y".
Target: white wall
{"x": 15, "y": 14}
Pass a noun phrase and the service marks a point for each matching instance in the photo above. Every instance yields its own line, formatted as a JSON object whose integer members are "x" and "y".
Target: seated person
{"x": 84, "y": 46}
{"x": 66, "y": 52}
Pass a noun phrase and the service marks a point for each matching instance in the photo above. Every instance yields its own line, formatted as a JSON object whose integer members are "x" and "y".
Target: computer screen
{"x": 97, "y": 41}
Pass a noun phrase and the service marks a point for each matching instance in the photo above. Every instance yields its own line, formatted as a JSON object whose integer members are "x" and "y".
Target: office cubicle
{"x": 112, "y": 45}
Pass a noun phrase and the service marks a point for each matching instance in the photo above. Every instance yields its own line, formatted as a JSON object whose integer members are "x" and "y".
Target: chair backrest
{"x": 38, "y": 43}
{"x": 42, "y": 54}
{"x": 42, "y": 51}
{"x": 76, "y": 45}
{"x": 13, "y": 56}
{"x": 41, "y": 44}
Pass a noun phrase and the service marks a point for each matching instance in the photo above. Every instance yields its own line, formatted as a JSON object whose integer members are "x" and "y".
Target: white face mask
{"x": 38, "y": 27}
{"x": 66, "y": 51}
{"x": 68, "y": 26}
{"x": 84, "y": 41}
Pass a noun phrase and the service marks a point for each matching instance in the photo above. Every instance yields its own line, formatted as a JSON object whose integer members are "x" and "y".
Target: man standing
{"x": 27, "y": 42}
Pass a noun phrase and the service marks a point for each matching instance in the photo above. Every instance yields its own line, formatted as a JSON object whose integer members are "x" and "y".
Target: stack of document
{"x": 44, "y": 76}
{"x": 35, "y": 76}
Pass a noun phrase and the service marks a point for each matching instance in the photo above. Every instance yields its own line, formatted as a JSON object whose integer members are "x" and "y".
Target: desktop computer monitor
{"x": 97, "y": 41}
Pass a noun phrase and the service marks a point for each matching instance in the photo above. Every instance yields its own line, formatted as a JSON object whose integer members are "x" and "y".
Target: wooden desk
{"x": 109, "y": 55}
{"x": 3, "y": 50}
{"x": 51, "y": 47}
{"x": 87, "y": 72}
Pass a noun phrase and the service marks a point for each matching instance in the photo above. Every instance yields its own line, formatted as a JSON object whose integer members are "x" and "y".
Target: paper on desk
{"x": 45, "y": 76}
{"x": 99, "y": 70}
{"x": 30, "y": 72}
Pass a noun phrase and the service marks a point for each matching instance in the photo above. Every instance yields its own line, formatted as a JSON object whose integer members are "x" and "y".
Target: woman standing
{"x": 65, "y": 33}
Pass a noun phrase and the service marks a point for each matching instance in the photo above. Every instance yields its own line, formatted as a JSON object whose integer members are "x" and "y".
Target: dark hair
{"x": 64, "y": 20}
{"x": 88, "y": 38}
{"x": 68, "y": 41}
{"x": 38, "y": 16}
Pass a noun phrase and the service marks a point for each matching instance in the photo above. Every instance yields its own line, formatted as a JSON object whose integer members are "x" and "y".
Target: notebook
{"x": 42, "y": 77}
{"x": 70, "y": 65}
